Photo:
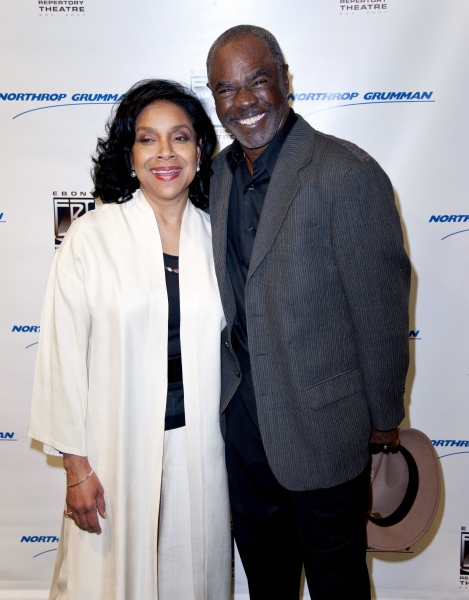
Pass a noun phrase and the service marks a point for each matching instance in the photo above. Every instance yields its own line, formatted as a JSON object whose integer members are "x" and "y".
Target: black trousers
{"x": 277, "y": 530}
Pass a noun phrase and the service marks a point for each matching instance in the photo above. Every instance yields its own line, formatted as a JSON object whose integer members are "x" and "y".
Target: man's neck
{"x": 251, "y": 155}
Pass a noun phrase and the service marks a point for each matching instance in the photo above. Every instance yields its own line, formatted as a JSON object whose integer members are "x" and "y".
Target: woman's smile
{"x": 166, "y": 173}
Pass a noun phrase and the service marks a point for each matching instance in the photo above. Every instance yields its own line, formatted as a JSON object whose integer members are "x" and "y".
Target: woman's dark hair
{"x": 111, "y": 170}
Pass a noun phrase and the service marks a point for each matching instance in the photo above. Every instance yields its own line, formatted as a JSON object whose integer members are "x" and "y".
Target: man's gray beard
{"x": 250, "y": 146}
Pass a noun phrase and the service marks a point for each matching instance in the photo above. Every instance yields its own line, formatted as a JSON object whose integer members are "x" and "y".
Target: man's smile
{"x": 251, "y": 120}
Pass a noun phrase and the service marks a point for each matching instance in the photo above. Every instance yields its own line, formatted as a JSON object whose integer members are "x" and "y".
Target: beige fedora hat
{"x": 405, "y": 493}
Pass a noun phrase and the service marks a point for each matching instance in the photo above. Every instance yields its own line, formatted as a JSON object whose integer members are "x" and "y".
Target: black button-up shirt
{"x": 246, "y": 202}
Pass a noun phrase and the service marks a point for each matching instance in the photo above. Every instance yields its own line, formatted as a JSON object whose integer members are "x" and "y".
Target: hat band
{"x": 409, "y": 497}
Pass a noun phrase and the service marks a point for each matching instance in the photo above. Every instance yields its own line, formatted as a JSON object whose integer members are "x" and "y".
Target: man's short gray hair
{"x": 239, "y": 32}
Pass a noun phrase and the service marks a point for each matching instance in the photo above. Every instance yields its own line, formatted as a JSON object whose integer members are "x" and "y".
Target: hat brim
{"x": 416, "y": 523}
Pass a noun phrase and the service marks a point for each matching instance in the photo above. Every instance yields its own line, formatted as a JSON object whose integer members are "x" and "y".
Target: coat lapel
{"x": 201, "y": 325}
{"x": 284, "y": 184}
{"x": 219, "y": 200}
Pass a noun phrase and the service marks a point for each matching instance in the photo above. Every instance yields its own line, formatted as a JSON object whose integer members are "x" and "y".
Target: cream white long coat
{"x": 100, "y": 391}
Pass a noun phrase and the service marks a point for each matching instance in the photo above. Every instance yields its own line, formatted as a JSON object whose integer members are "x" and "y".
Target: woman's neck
{"x": 168, "y": 216}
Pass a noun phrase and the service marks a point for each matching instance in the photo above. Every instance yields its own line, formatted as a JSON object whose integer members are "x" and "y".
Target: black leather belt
{"x": 174, "y": 369}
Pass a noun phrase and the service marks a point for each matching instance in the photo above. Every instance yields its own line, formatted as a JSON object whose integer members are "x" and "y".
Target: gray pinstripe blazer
{"x": 327, "y": 308}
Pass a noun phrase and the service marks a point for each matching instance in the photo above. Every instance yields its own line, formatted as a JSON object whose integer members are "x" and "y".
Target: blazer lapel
{"x": 295, "y": 154}
{"x": 220, "y": 189}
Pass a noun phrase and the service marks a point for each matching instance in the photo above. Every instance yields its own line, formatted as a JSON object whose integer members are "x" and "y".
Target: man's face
{"x": 250, "y": 93}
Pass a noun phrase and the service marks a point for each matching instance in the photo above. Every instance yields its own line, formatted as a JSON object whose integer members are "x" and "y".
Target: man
{"x": 314, "y": 282}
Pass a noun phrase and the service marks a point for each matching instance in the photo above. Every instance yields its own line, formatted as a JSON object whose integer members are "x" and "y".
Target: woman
{"x": 128, "y": 395}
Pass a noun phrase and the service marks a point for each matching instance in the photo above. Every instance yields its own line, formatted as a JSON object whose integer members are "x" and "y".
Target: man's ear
{"x": 208, "y": 85}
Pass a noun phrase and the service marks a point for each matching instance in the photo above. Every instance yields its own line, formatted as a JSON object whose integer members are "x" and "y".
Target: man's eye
{"x": 181, "y": 138}
{"x": 260, "y": 81}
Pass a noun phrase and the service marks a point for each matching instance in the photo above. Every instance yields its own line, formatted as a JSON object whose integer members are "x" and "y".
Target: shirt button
{"x": 251, "y": 188}
{"x": 251, "y": 228}
{"x": 237, "y": 373}
{"x": 227, "y": 344}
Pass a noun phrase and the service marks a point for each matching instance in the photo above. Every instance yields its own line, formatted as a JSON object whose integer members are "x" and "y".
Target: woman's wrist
{"x": 77, "y": 468}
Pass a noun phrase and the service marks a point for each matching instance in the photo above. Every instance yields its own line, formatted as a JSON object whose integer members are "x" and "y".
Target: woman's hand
{"x": 84, "y": 501}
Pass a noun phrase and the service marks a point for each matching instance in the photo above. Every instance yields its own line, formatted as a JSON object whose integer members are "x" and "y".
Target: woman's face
{"x": 165, "y": 153}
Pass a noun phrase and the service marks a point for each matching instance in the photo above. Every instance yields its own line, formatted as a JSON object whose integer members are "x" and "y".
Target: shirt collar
{"x": 269, "y": 157}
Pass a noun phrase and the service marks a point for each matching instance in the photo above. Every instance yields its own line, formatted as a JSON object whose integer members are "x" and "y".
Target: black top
{"x": 175, "y": 416}
{"x": 174, "y": 316}
{"x": 246, "y": 202}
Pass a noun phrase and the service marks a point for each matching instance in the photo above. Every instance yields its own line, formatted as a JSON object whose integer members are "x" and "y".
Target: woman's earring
{"x": 198, "y": 167}
{"x": 133, "y": 173}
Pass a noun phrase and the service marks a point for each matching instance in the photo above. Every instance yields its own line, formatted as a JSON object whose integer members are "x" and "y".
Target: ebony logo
{"x": 67, "y": 208}
{"x": 464, "y": 558}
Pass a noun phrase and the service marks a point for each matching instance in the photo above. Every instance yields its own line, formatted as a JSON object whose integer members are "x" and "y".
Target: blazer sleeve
{"x": 58, "y": 412}
{"x": 375, "y": 273}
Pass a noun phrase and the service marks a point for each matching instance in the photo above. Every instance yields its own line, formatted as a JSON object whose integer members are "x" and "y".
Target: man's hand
{"x": 384, "y": 441}
{"x": 84, "y": 501}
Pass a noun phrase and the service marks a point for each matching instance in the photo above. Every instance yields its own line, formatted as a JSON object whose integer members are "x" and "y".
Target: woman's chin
{"x": 165, "y": 198}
